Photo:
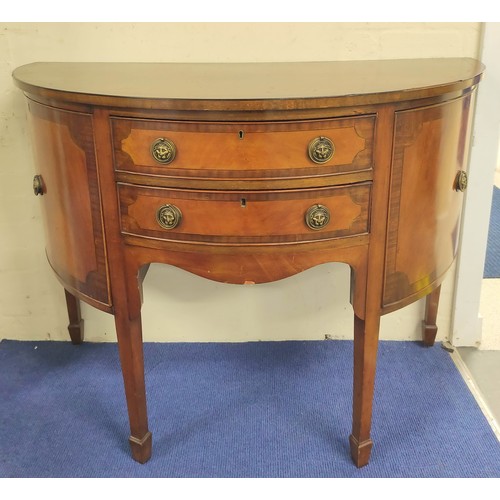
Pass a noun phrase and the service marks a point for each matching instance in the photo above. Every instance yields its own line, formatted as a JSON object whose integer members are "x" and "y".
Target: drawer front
{"x": 247, "y": 150}
{"x": 245, "y": 217}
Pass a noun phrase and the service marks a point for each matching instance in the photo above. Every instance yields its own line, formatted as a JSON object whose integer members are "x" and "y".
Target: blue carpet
{"x": 260, "y": 409}
{"x": 492, "y": 264}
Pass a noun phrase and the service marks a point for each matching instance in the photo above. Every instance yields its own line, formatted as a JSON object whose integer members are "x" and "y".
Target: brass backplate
{"x": 163, "y": 150}
{"x": 321, "y": 149}
{"x": 317, "y": 217}
{"x": 168, "y": 216}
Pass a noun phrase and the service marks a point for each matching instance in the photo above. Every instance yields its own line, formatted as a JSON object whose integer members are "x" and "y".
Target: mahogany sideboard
{"x": 250, "y": 173}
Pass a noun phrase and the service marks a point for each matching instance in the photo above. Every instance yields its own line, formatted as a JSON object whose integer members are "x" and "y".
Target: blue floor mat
{"x": 257, "y": 409}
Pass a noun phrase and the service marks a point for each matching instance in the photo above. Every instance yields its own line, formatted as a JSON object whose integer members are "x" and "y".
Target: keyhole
{"x": 243, "y": 202}
{"x": 241, "y": 134}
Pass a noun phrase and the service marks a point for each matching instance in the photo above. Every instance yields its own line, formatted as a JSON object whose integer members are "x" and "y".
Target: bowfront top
{"x": 242, "y": 85}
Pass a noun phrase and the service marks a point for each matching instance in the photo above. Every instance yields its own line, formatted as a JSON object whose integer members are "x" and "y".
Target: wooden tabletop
{"x": 104, "y": 83}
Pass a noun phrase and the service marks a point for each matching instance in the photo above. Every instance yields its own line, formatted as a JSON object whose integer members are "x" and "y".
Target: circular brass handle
{"x": 317, "y": 217}
{"x": 163, "y": 150}
{"x": 461, "y": 181}
{"x": 38, "y": 185}
{"x": 168, "y": 216}
{"x": 321, "y": 149}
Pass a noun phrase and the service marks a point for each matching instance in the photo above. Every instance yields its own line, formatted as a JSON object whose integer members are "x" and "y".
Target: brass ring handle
{"x": 461, "y": 181}
{"x": 321, "y": 149}
{"x": 38, "y": 185}
{"x": 163, "y": 150}
{"x": 168, "y": 216}
{"x": 317, "y": 217}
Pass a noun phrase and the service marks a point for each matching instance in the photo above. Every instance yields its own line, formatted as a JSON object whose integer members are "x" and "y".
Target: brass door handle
{"x": 168, "y": 216}
{"x": 321, "y": 149}
{"x": 317, "y": 217}
{"x": 163, "y": 150}
{"x": 38, "y": 185}
{"x": 461, "y": 181}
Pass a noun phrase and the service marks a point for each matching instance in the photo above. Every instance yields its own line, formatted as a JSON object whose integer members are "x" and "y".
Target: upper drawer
{"x": 257, "y": 150}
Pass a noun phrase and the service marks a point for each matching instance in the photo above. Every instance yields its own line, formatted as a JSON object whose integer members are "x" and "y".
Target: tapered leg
{"x": 429, "y": 327}
{"x": 129, "y": 333}
{"x": 75, "y": 326}
{"x": 365, "y": 358}
{"x": 125, "y": 287}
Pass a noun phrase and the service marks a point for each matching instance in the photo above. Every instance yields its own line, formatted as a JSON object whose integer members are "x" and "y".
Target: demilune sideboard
{"x": 250, "y": 173}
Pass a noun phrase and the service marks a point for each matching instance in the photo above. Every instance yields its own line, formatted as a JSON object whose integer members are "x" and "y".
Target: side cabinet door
{"x": 430, "y": 147}
{"x": 65, "y": 159}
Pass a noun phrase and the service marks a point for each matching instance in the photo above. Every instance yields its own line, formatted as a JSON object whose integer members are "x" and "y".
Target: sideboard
{"x": 250, "y": 173}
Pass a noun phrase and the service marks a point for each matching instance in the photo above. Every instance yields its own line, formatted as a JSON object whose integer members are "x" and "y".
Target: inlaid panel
{"x": 431, "y": 146}
{"x": 65, "y": 160}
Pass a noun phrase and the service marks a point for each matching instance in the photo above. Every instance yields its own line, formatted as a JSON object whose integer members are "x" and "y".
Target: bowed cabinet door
{"x": 430, "y": 149}
{"x": 63, "y": 147}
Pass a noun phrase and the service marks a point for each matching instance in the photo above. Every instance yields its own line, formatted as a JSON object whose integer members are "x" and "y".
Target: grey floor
{"x": 484, "y": 366}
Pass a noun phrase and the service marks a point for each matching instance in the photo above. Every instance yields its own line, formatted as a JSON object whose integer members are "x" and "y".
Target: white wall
{"x": 180, "y": 306}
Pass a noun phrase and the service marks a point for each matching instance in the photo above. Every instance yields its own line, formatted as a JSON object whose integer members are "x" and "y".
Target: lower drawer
{"x": 244, "y": 217}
